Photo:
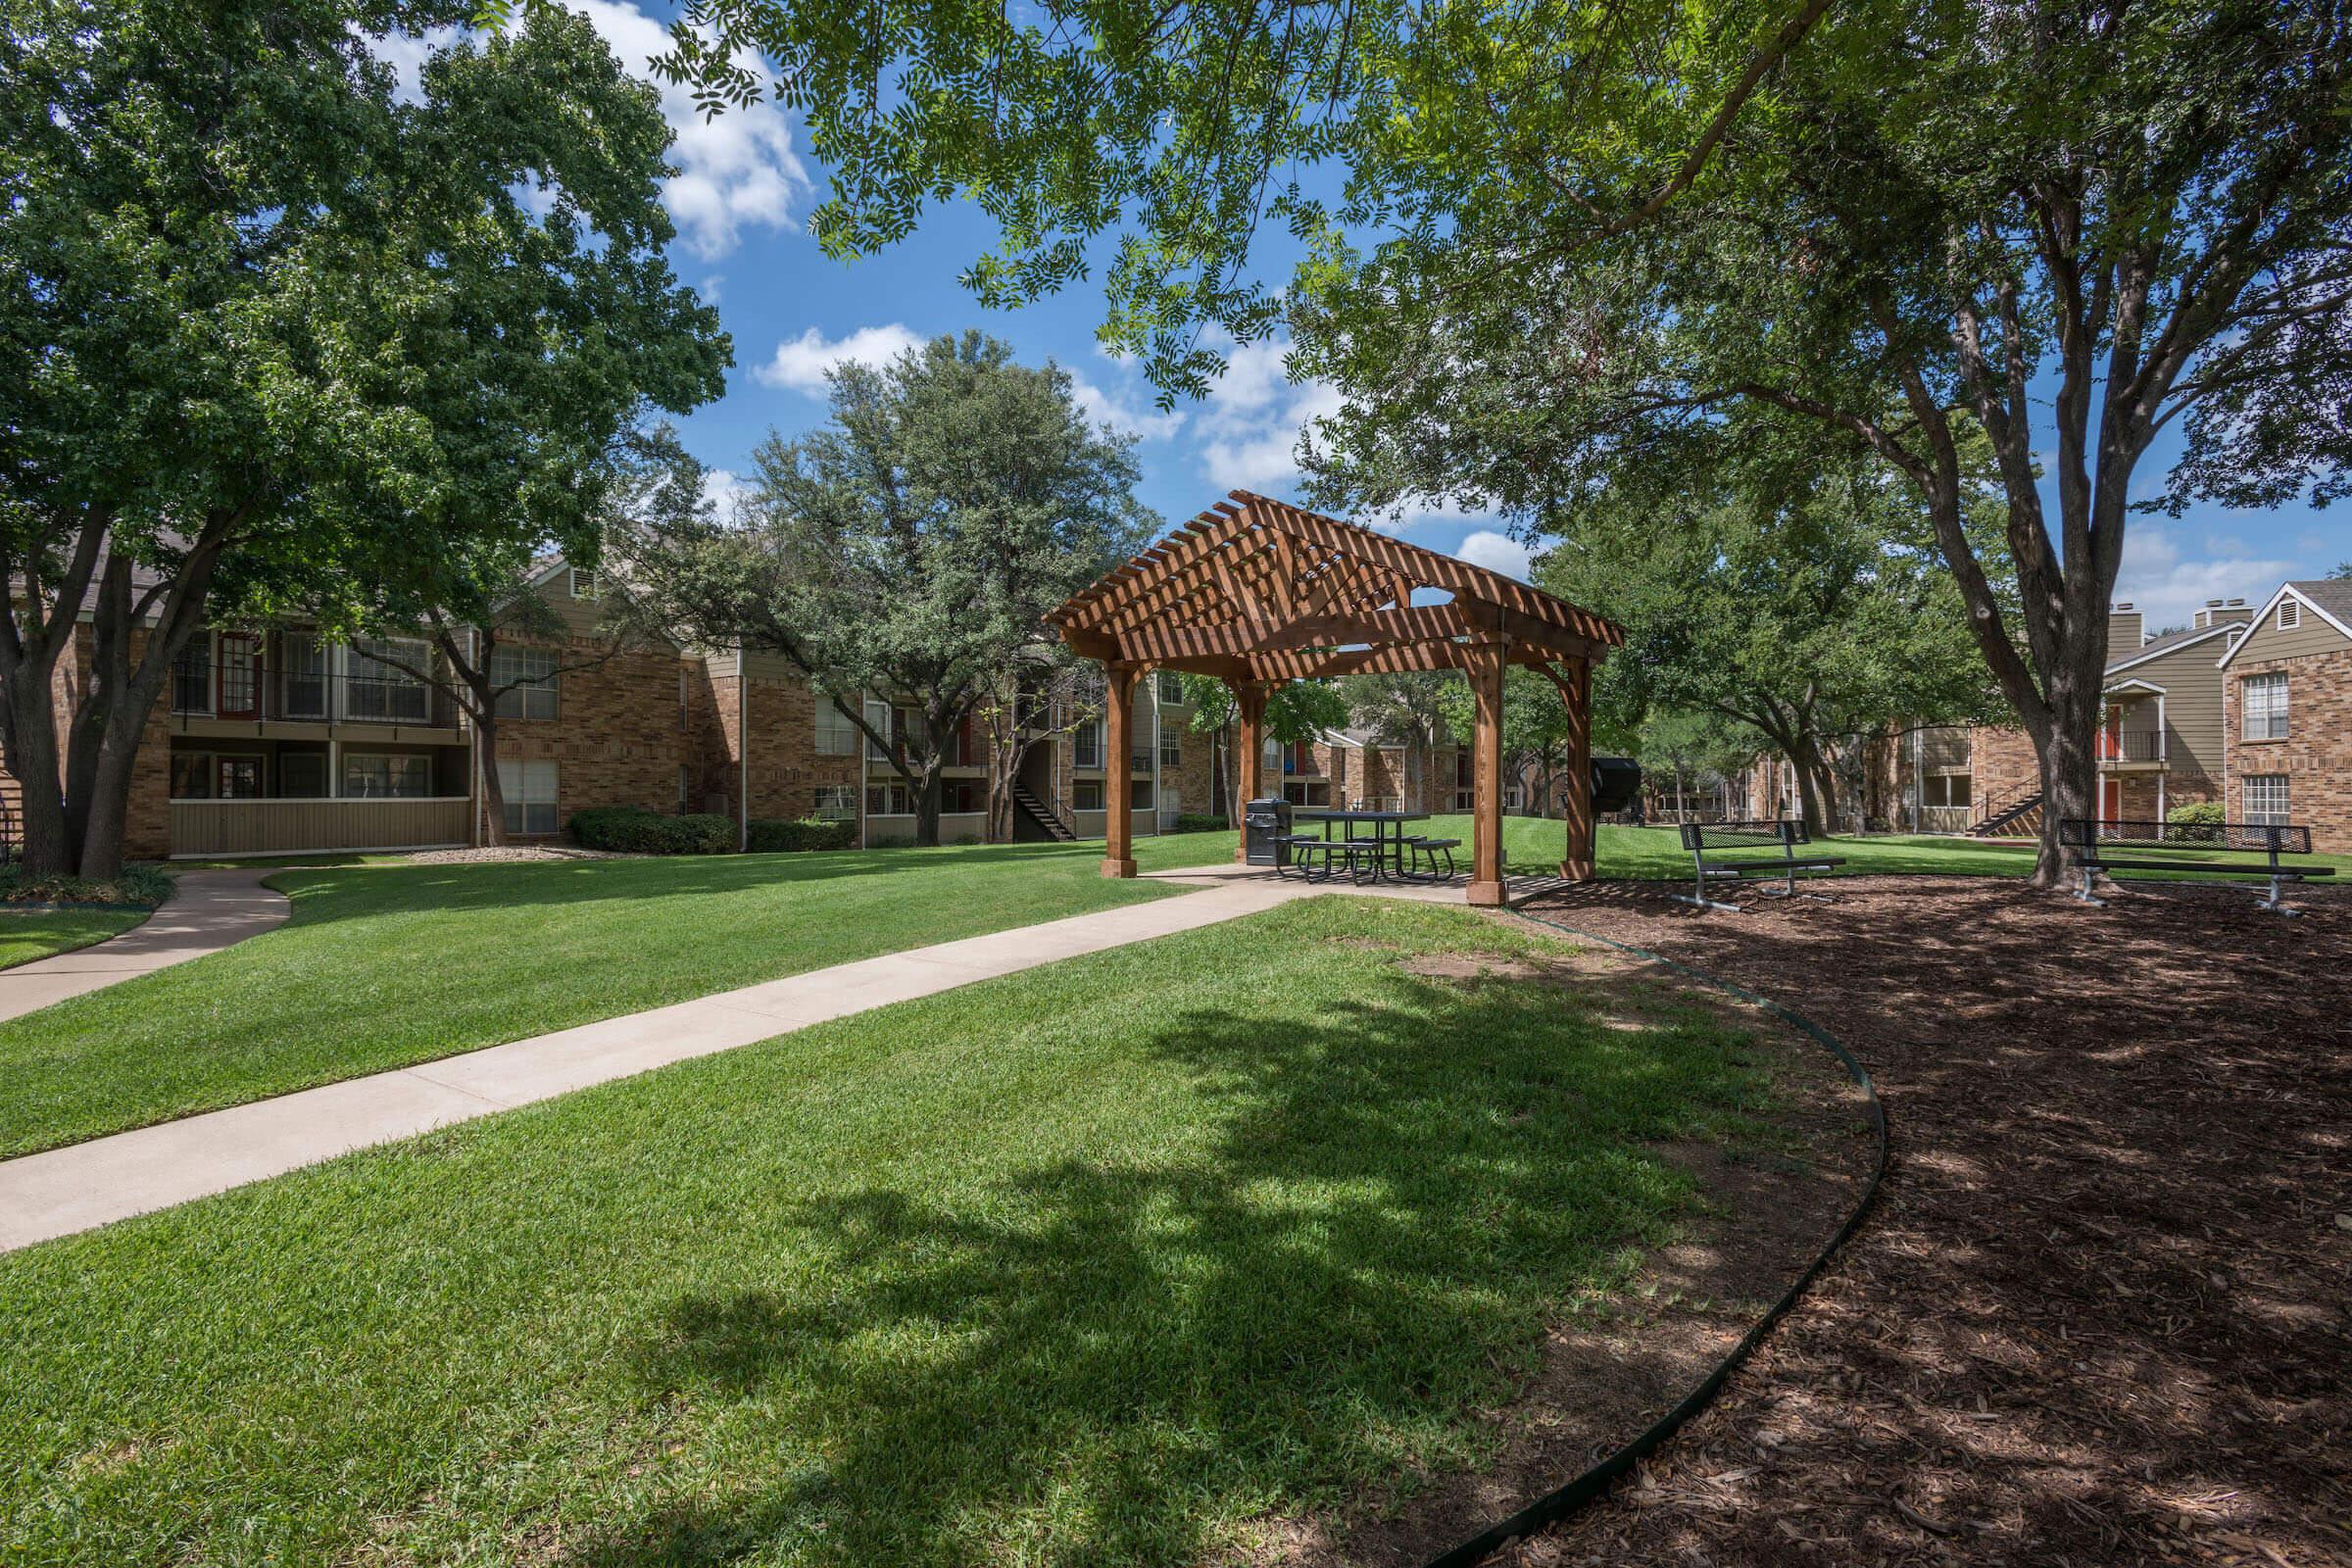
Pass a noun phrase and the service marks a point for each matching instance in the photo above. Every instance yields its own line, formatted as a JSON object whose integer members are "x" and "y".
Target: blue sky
{"x": 741, "y": 203}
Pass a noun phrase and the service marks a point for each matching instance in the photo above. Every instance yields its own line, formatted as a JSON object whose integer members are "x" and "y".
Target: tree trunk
{"x": 32, "y": 759}
{"x": 494, "y": 794}
{"x": 926, "y": 808}
{"x": 1804, "y": 757}
{"x": 2066, "y": 752}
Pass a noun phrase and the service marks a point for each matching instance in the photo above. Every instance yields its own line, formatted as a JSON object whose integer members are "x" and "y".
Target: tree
{"x": 268, "y": 327}
{"x": 1683, "y": 748}
{"x": 1778, "y": 603}
{"x": 1047, "y": 691}
{"x": 491, "y": 596}
{"x": 912, "y": 545}
{"x": 1624, "y": 234}
{"x": 1407, "y": 709}
{"x": 1535, "y": 730}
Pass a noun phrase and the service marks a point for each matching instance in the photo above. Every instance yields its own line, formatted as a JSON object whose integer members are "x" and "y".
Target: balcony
{"x": 2128, "y": 748}
{"x": 249, "y": 691}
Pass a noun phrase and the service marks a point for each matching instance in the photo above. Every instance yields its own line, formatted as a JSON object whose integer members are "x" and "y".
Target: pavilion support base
{"x": 1112, "y": 867}
{"x": 1576, "y": 869}
{"x": 1487, "y": 895}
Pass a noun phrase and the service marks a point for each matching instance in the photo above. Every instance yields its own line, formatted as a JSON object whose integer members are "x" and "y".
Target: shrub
{"x": 633, "y": 830}
{"x": 2209, "y": 812}
{"x": 142, "y": 885}
{"x": 1198, "y": 822}
{"x": 771, "y": 837}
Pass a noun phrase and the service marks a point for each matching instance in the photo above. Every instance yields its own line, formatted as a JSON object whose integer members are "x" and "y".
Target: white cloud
{"x": 708, "y": 288}
{"x": 724, "y": 489}
{"x": 2169, "y": 587}
{"x": 1496, "y": 553}
{"x": 1254, "y": 417}
{"x": 735, "y": 172}
{"x": 1126, "y": 407}
{"x": 801, "y": 363}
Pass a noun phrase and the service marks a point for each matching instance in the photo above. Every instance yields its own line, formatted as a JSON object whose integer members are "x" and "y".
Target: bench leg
{"x": 2276, "y": 901}
{"x": 2085, "y": 894}
{"x": 1698, "y": 895}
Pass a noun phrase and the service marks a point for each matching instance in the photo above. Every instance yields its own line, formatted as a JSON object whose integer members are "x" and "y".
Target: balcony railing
{"x": 255, "y": 693}
{"x": 2132, "y": 746}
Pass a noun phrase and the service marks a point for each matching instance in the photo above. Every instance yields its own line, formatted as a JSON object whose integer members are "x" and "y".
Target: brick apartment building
{"x": 2287, "y": 729}
{"x": 276, "y": 741}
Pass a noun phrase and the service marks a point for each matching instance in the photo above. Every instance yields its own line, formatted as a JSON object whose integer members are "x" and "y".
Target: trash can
{"x": 1263, "y": 823}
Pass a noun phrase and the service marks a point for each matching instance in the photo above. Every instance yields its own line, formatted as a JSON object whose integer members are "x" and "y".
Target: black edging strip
{"x": 1584, "y": 1487}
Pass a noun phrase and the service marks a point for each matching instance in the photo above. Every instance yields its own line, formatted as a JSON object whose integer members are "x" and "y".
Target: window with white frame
{"x": 1086, "y": 744}
{"x": 531, "y": 673}
{"x": 528, "y": 789}
{"x": 1171, "y": 686}
{"x": 2264, "y": 698}
{"x": 1085, "y": 795}
{"x": 1946, "y": 790}
{"x": 583, "y": 584}
{"x": 2290, "y": 614}
{"x": 836, "y": 803}
{"x": 2265, "y": 800}
{"x": 387, "y": 776}
{"x": 836, "y": 731}
{"x": 380, "y": 690}
{"x": 1171, "y": 747}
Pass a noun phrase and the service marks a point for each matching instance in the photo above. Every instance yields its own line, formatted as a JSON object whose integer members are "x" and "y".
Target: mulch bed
{"x": 2097, "y": 1314}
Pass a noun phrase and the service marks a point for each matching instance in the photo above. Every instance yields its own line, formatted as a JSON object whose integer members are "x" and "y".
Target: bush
{"x": 141, "y": 886}
{"x": 633, "y": 830}
{"x": 1198, "y": 822}
{"x": 770, "y": 837}
{"x": 2208, "y": 812}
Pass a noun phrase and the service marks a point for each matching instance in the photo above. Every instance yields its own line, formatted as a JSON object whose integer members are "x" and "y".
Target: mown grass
{"x": 26, "y": 935}
{"x": 385, "y": 966}
{"x": 1105, "y": 1263}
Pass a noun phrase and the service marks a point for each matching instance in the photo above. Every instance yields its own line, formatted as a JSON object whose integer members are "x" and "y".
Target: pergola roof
{"x": 1254, "y": 589}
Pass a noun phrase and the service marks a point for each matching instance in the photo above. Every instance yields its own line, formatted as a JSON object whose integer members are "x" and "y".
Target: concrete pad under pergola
{"x": 1257, "y": 592}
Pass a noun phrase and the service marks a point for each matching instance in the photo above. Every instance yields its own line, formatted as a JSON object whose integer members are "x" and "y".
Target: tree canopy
{"x": 912, "y": 544}
{"x": 272, "y": 331}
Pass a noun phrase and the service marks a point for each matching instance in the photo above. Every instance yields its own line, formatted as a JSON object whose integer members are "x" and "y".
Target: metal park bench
{"x": 2094, "y": 841}
{"x": 1705, "y": 839}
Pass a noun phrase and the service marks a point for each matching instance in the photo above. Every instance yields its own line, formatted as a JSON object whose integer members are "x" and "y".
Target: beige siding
{"x": 286, "y": 827}
{"x": 2268, "y": 642}
{"x": 2192, "y": 704}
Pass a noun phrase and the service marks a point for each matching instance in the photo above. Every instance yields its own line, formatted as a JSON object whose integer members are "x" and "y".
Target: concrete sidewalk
{"x": 107, "y": 1179}
{"x": 211, "y": 910}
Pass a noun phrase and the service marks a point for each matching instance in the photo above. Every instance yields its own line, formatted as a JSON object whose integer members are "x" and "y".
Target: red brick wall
{"x": 780, "y": 711}
{"x": 2002, "y": 765}
{"x": 147, "y": 822}
{"x": 617, "y": 738}
{"x": 2317, "y": 753}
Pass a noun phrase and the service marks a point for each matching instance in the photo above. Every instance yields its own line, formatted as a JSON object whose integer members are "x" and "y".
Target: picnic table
{"x": 1384, "y": 851}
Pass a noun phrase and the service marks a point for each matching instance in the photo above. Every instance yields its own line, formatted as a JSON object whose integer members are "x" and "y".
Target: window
{"x": 889, "y": 799}
{"x": 2265, "y": 701}
{"x": 1139, "y": 794}
{"x": 1171, "y": 686}
{"x": 529, "y": 791}
{"x": 1085, "y": 795}
{"x": 192, "y": 678}
{"x": 379, "y": 691}
{"x": 836, "y": 731}
{"x": 583, "y": 583}
{"x": 191, "y": 775}
{"x": 836, "y": 803}
{"x": 1171, "y": 747}
{"x": 962, "y": 798}
{"x": 1086, "y": 744}
{"x": 301, "y": 775}
{"x": 531, "y": 673}
{"x": 1945, "y": 789}
{"x": 240, "y": 779}
{"x": 2290, "y": 614}
{"x": 302, "y": 688}
{"x": 2265, "y": 800}
{"x": 388, "y": 775}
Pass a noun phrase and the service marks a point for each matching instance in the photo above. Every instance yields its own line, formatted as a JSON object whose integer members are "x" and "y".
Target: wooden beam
{"x": 1576, "y": 689}
{"x": 1249, "y": 764}
{"x": 1486, "y": 772}
{"x": 1118, "y": 845}
{"x": 1412, "y": 623}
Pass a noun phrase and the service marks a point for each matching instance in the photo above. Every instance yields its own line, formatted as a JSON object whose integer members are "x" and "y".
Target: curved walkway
{"x": 211, "y": 910}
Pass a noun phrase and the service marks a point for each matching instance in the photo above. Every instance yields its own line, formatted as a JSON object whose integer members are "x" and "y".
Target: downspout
{"x": 476, "y": 783}
{"x": 743, "y": 750}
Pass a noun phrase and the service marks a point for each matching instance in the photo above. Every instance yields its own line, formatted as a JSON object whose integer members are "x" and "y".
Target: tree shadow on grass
{"x": 1109, "y": 1360}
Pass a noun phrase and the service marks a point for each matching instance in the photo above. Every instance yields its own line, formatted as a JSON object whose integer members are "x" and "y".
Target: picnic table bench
{"x": 1704, "y": 840}
{"x": 2094, "y": 841}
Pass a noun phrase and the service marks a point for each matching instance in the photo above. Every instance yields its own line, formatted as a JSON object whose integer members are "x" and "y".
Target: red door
{"x": 240, "y": 675}
{"x": 2111, "y": 799}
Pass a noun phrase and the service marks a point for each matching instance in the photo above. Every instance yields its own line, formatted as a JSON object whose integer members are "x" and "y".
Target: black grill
{"x": 1263, "y": 823}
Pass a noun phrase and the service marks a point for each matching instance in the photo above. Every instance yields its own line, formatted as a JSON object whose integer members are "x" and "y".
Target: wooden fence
{"x": 293, "y": 827}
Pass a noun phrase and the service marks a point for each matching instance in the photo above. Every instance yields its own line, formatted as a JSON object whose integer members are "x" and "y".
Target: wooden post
{"x": 1576, "y": 692}
{"x": 1118, "y": 790}
{"x": 1250, "y": 744}
{"x": 1485, "y": 833}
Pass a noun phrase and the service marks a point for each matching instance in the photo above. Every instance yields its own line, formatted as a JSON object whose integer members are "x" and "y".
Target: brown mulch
{"x": 2098, "y": 1312}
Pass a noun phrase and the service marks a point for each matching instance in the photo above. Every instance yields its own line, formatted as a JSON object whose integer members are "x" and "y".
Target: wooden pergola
{"x": 1257, "y": 592}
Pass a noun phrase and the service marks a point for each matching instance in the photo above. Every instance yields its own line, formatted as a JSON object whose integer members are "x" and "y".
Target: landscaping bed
{"x": 1376, "y": 1216}
{"x": 41, "y": 917}
{"x": 2097, "y": 1312}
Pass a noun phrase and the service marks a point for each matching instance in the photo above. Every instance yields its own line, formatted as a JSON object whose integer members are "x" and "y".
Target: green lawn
{"x": 1098, "y": 1263}
{"x": 26, "y": 935}
{"x": 384, "y": 965}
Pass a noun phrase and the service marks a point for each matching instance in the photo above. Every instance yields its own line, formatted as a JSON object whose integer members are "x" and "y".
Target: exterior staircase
{"x": 2019, "y": 819}
{"x": 1025, "y": 800}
